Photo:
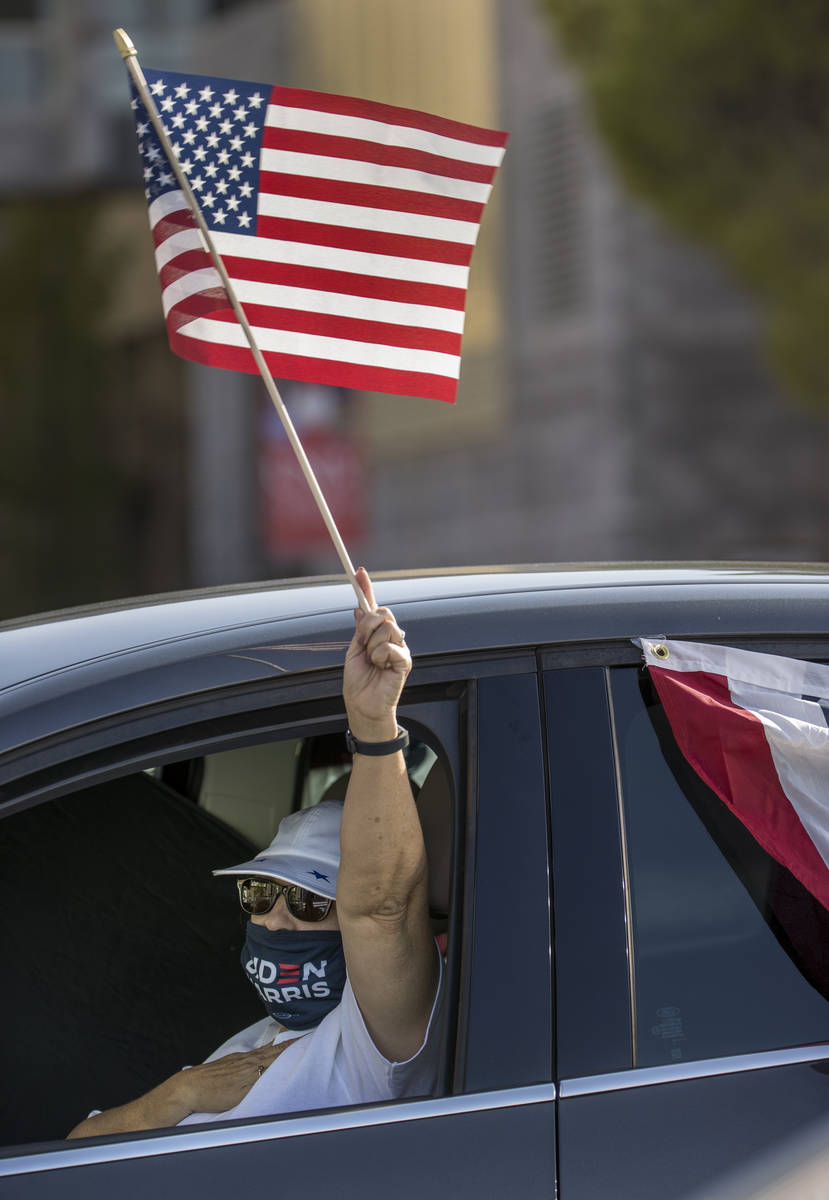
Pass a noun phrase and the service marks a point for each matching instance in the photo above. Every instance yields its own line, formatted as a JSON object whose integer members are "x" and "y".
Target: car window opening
{"x": 141, "y": 974}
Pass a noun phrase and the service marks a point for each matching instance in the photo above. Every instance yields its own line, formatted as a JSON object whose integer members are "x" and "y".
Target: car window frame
{"x": 48, "y": 769}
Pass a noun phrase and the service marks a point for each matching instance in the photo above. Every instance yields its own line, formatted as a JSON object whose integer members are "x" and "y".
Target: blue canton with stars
{"x": 215, "y": 127}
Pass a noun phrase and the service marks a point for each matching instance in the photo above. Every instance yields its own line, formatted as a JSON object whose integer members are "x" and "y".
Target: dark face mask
{"x": 298, "y": 975}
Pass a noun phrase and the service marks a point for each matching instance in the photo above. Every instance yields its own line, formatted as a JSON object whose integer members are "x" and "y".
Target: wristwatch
{"x": 377, "y": 749}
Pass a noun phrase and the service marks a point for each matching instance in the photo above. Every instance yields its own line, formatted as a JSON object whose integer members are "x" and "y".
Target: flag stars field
{"x": 203, "y": 128}
{"x": 346, "y": 227}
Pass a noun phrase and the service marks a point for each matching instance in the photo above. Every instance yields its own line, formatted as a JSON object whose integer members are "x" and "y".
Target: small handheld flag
{"x": 315, "y": 290}
{"x": 346, "y": 227}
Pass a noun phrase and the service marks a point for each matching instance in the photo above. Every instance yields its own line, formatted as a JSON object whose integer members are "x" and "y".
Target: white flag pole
{"x": 130, "y": 57}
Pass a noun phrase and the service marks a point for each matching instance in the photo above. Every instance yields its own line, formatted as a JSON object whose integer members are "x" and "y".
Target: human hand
{"x": 377, "y": 664}
{"x": 219, "y": 1085}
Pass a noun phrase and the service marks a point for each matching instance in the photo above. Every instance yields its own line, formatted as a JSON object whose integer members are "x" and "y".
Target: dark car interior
{"x": 120, "y": 964}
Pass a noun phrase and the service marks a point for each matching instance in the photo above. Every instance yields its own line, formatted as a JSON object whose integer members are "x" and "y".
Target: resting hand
{"x": 376, "y": 666}
{"x": 219, "y": 1085}
{"x": 210, "y": 1088}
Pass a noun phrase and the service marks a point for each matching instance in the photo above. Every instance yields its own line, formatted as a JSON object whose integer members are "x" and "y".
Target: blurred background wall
{"x": 617, "y": 399}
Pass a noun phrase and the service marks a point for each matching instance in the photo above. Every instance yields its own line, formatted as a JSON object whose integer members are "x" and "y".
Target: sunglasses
{"x": 258, "y": 896}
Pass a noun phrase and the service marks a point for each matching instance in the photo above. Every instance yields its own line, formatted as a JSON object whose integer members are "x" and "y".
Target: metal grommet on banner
{"x": 660, "y": 651}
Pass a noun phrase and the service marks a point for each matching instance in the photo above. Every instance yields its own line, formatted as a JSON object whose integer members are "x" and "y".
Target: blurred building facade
{"x": 614, "y": 402}
{"x": 650, "y": 424}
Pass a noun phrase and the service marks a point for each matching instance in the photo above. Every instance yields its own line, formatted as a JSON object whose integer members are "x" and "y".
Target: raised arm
{"x": 382, "y": 893}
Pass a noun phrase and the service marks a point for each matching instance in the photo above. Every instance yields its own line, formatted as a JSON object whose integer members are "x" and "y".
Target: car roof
{"x": 120, "y": 654}
{"x": 72, "y": 636}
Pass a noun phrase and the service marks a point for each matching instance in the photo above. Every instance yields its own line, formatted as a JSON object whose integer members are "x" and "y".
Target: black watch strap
{"x": 377, "y": 749}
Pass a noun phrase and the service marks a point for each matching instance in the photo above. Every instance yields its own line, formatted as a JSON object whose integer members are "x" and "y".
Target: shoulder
{"x": 354, "y": 1032}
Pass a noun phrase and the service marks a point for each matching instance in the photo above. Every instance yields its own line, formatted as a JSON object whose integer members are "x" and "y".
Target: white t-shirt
{"x": 335, "y": 1063}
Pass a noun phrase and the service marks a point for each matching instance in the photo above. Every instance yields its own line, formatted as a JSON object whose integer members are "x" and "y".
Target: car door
{"x": 490, "y": 1123}
{"x": 691, "y": 974}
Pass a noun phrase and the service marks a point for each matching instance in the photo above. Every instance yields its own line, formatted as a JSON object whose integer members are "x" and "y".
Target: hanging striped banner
{"x": 346, "y": 227}
{"x": 754, "y": 727}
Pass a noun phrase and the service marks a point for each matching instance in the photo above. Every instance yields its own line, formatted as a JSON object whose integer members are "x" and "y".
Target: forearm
{"x": 165, "y": 1105}
{"x": 383, "y": 857}
{"x": 212, "y": 1087}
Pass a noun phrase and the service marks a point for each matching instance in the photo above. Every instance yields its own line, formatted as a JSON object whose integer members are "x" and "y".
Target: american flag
{"x": 346, "y": 227}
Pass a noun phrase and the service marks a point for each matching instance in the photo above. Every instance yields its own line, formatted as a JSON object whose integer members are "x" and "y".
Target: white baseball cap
{"x": 305, "y": 851}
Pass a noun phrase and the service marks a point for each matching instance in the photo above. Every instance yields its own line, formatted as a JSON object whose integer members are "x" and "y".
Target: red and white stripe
{"x": 357, "y": 276}
{"x": 742, "y": 722}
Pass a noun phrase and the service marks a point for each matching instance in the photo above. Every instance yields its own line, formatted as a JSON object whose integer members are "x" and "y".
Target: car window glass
{"x": 729, "y": 950}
